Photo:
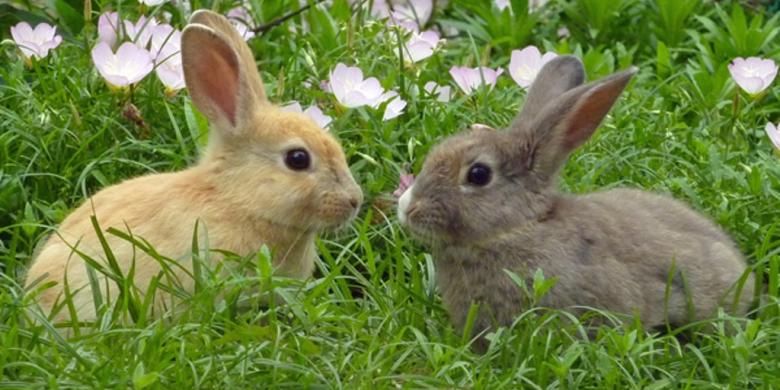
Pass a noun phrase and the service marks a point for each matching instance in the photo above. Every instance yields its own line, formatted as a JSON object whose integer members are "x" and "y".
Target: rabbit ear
{"x": 221, "y": 24}
{"x": 216, "y": 78}
{"x": 554, "y": 79}
{"x": 569, "y": 120}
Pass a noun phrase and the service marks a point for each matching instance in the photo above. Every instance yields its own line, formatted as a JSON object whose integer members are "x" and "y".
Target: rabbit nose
{"x": 355, "y": 197}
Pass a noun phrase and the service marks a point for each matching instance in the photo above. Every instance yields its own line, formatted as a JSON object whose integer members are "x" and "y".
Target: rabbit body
{"x": 486, "y": 201}
{"x": 616, "y": 250}
{"x": 162, "y": 209}
{"x": 267, "y": 177}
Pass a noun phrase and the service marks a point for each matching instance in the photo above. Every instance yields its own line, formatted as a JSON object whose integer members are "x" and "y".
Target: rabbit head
{"x": 479, "y": 183}
{"x": 274, "y": 166}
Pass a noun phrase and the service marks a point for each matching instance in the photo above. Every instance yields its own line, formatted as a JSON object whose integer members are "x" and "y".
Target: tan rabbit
{"x": 266, "y": 177}
{"x": 486, "y": 201}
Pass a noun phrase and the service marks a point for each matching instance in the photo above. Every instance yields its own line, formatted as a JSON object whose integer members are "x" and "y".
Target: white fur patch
{"x": 403, "y": 204}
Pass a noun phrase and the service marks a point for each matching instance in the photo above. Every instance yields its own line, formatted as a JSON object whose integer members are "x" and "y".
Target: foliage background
{"x": 371, "y": 316}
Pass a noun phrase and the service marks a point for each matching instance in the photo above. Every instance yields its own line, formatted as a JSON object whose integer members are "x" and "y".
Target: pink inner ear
{"x": 588, "y": 114}
{"x": 218, "y": 74}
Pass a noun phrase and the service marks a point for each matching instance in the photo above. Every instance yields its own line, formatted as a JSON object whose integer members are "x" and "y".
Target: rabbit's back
{"x": 163, "y": 210}
{"x": 636, "y": 250}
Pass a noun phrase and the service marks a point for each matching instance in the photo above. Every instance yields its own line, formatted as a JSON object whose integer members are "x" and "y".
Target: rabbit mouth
{"x": 337, "y": 219}
{"x": 424, "y": 228}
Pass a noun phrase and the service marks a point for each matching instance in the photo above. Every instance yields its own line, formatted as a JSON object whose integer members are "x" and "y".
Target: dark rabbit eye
{"x": 297, "y": 159}
{"x": 479, "y": 175}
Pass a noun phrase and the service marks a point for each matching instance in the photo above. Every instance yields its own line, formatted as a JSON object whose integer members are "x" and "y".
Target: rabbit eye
{"x": 297, "y": 159}
{"x": 479, "y": 175}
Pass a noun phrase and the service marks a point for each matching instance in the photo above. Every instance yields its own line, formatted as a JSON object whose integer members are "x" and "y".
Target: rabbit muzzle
{"x": 340, "y": 207}
{"x": 411, "y": 214}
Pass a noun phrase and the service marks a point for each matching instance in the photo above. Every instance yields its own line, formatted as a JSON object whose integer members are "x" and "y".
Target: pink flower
{"x": 109, "y": 28}
{"x": 525, "y": 64}
{"x": 774, "y": 134}
{"x": 312, "y": 112}
{"x": 395, "y": 107}
{"x": 405, "y": 181}
{"x": 421, "y": 46}
{"x": 35, "y": 43}
{"x": 442, "y": 93}
{"x": 140, "y": 32}
{"x": 129, "y": 65}
{"x": 351, "y": 89}
{"x": 469, "y": 79}
{"x": 753, "y": 74}
{"x": 242, "y": 21}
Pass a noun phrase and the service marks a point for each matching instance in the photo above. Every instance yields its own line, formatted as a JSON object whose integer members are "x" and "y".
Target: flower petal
{"x": 774, "y": 133}
{"x": 318, "y": 116}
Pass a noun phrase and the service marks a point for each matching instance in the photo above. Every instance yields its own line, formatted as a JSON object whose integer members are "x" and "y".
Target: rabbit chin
{"x": 337, "y": 223}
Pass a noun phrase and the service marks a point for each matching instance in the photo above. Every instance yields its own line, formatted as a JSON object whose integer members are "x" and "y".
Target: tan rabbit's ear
{"x": 569, "y": 120}
{"x": 216, "y": 78}
{"x": 554, "y": 79}
{"x": 221, "y": 24}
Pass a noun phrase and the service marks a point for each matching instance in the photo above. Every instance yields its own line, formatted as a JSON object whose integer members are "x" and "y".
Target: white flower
{"x": 312, "y": 112}
{"x": 109, "y": 28}
{"x": 35, "y": 43}
{"x": 753, "y": 74}
{"x": 525, "y": 64}
{"x": 165, "y": 41}
{"x": 351, "y": 89}
{"x": 129, "y": 65}
{"x": 140, "y": 32}
{"x": 443, "y": 93}
{"x": 421, "y": 46}
{"x": 469, "y": 79}
{"x": 394, "y": 108}
{"x": 242, "y": 21}
{"x": 774, "y": 134}
{"x": 171, "y": 73}
{"x": 153, "y": 3}
{"x": 502, "y": 4}
{"x": 409, "y": 14}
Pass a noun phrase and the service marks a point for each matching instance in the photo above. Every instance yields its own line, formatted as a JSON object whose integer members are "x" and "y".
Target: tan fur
{"x": 241, "y": 192}
{"x": 614, "y": 250}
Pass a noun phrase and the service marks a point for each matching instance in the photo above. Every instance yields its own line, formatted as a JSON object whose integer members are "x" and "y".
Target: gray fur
{"x": 613, "y": 250}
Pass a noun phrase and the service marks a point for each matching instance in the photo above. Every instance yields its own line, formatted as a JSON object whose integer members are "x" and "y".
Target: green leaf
{"x": 141, "y": 379}
{"x": 197, "y": 124}
{"x": 72, "y": 13}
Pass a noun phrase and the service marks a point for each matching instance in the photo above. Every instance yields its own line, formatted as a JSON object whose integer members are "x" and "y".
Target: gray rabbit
{"x": 486, "y": 201}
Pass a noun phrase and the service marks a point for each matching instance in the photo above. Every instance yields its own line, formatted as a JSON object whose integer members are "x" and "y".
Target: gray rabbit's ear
{"x": 554, "y": 79}
{"x": 568, "y": 121}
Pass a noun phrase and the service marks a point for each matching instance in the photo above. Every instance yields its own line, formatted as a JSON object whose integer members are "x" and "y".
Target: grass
{"x": 371, "y": 317}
